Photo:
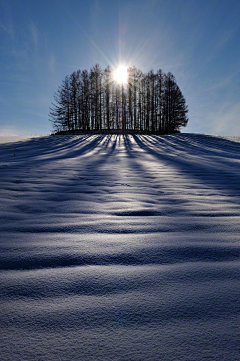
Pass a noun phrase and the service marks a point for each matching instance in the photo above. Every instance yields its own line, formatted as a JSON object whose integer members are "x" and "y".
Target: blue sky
{"x": 42, "y": 41}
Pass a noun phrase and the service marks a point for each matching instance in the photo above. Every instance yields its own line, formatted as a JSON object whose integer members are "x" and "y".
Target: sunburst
{"x": 120, "y": 74}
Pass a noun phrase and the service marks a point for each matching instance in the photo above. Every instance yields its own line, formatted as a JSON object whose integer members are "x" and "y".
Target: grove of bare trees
{"x": 93, "y": 101}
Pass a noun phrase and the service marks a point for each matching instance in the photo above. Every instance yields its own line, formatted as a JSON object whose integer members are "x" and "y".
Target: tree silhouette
{"x": 93, "y": 101}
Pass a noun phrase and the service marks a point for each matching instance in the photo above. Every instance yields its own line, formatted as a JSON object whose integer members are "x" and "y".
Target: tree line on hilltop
{"x": 94, "y": 101}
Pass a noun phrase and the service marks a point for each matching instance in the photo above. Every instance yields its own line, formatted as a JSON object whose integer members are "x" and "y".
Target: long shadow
{"x": 148, "y": 255}
{"x": 48, "y": 149}
{"x": 223, "y": 179}
{"x": 199, "y": 144}
{"x": 179, "y": 291}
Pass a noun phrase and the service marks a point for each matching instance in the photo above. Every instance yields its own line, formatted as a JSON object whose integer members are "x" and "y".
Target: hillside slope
{"x": 120, "y": 247}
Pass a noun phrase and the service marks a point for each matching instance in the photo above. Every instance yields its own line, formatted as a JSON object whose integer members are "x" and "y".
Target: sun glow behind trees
{"x": 120, "y": 75}
{"x": 122, "y": 100}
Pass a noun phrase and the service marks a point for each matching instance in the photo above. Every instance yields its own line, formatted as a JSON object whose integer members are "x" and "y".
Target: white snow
{"x": 120, "y": 248}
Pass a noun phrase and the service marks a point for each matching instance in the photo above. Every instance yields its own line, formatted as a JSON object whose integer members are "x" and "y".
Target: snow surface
{"x": 120, "y": 248}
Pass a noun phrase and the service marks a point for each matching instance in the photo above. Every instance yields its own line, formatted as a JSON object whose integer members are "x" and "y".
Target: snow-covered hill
{"x": 120, "y": 248}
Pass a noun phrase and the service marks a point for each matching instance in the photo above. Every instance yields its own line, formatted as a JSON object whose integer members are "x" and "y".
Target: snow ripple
{"x": 120, "y": 247}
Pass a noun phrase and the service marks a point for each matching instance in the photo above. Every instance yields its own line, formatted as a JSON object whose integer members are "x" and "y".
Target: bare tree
{"x": 151, "y": 102}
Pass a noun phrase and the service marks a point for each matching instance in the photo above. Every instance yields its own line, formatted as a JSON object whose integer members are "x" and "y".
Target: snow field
{"x": 120, "y": 247}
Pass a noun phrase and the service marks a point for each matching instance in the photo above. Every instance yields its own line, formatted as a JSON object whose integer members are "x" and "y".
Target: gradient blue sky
{"x": 42, "y": 41}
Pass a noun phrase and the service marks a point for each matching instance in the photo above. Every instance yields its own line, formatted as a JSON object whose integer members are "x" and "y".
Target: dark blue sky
{"x": 42, "y": 41}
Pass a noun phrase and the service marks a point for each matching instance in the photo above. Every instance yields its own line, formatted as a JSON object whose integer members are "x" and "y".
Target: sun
{"x": 120, "y": 75}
